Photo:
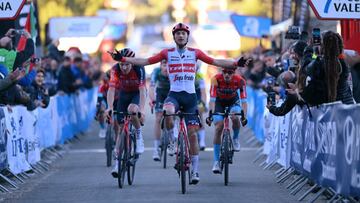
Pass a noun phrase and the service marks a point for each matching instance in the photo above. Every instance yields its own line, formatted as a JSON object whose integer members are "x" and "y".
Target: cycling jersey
{"x": 181, "y": 67}
{"x": 130, "y": 82}
{"x": 227, "y": 92}
{"x": 159, "y": 81}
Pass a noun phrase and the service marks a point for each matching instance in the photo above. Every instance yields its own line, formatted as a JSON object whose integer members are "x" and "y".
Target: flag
{"x": 30, "y": 26}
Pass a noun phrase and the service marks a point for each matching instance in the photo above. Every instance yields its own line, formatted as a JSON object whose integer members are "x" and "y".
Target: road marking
{"x": 208, "y": 149}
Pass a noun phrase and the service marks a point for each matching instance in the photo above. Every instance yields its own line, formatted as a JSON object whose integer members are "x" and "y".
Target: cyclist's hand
{"x": 208, "y": 120}
{"x": 116, "y": 55}
{"x": 244, "y": 121}
{"x": 108, "y": 113}
{"x": 242, "y": 62}
{"x": 142, "y": 118}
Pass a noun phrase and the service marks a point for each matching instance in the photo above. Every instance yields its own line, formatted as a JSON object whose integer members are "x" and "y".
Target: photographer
{"x": 9, "y": 57}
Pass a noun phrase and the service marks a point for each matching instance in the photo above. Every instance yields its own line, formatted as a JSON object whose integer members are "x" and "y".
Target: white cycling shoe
{"x": 216, "y": 168}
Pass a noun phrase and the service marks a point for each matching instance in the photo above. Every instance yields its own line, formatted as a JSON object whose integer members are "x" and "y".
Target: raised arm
{"x": 140, "y": 61}
{"x": 226, "y": 63}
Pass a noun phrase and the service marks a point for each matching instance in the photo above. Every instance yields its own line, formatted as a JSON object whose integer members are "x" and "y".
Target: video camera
{"x": 293, "y": 33}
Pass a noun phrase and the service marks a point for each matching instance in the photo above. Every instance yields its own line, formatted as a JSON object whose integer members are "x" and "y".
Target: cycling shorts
{"x": 125, "y": 99}
{"x": 188, "y": 102}
{"x": 161, "y": 95}
{"x": 219, "y": 108}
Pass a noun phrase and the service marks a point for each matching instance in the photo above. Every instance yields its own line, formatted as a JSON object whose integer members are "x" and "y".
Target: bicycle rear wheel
{"x": 226, "y": 154}
{"x": 182, "y": 163}
{"x": 132, "y": 160}
{"x": 122, "y": 160}
{"x": 108, "y": 145}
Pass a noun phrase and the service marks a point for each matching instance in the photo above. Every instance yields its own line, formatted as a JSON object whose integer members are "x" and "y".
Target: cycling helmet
{"x": 181, "y": 26}
{"x": 127, "y": 52}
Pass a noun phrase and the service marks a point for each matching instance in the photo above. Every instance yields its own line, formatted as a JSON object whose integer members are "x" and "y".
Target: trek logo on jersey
{"x": 183, "y": 77}
{"x": 178, "y": 68}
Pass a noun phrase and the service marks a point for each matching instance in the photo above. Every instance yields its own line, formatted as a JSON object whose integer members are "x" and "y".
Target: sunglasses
{"x": 228, "y": 72}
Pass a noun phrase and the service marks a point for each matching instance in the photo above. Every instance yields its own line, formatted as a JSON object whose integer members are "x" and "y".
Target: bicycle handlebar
{"x": 181, "y": 115}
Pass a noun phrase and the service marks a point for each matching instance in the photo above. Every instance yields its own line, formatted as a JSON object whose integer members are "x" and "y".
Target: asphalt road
{"x": 82, "y": 176}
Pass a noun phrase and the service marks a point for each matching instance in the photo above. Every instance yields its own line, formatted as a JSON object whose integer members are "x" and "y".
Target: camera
{"x": 17, "y": 32}
{"x": 34, "y": 60}
{"x": 316, "y": 36}
{"x": 293, "y": 33}
{"x": 271, "y": 98}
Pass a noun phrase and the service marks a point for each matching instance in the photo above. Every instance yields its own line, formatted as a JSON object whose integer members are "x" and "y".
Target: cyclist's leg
{"x": 219, "y": 125}
{"x": 236, "y": 125}
{"x": 201, "y": 131}
{"x": 192, "y": 122}
{"x": 134, "y": 108}
{"x": 170, "y": 106}
{"x": 160, "y": 98}
{"x": 101, "y": 119}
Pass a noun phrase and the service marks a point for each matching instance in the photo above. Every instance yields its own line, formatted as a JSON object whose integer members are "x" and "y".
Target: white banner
{"x": 16, "y": 144}
{"x": 284, "y": 144}
{"x": 28, "y": 131}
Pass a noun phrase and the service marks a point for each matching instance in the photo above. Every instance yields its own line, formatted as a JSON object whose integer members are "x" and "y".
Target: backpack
{"x": 315, "y": 90}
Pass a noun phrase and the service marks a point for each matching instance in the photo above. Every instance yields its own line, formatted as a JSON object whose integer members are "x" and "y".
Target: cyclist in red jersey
{"x": 182, "y": 69}
{"x": 129, "y": 80}
{"x": 227, "y": 90}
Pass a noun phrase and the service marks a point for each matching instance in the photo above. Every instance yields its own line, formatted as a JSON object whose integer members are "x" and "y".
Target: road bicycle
{"x": 127, "y": 156}
{"x": 226, "y": 146}
{"x": 183, "y": 160}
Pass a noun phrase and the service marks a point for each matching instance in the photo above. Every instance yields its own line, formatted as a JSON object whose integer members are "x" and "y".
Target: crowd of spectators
{"x": 30, "y": 81}
{"x": 305, "y": 73}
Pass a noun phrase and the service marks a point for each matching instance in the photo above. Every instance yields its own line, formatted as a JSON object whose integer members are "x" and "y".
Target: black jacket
{"x": 37, "y": 93}
{"x": 66, "y": 82}
{"x": 355, "y": 73}
{"x": 290, "y": 102}
{"x": 343, "y": 92}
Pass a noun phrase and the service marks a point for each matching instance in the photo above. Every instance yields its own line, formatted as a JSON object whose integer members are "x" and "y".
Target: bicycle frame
{"x": 183, "y": 131}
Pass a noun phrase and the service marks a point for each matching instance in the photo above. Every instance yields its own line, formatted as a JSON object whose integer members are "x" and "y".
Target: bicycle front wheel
{"x": 182, "y": 163}
{"x": 226, "y": 155}
{"x": 122, "y": 160}
{"x": 164, "y": 145}
{"x": 108, "y": 145}
{"x": 132, "y": 160}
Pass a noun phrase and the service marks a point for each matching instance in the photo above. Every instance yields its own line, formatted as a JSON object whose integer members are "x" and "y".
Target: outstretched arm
{"x": 140, "y": 61}
{"x": 226, "y": 63}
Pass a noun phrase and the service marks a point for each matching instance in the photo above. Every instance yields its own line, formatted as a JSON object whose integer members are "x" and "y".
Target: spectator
{"x": 11, "y": 58}
{"x": 38, "y": 94}
{"x": 11, "y": 79}
{"x": 327, "y": 74}
{"x": 53, "y": 51}
{"x": 355, "y": 72}
{"x": 51, "y": 75}
{"x": 66, "y": 80}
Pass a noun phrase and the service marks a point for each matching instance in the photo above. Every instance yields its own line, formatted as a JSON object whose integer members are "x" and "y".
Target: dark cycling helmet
{"x": 181, "y": 26}
{"x": 127, "y": 52}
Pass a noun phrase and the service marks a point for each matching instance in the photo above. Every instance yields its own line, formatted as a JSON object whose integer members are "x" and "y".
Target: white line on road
{"x": 210, "y": 149}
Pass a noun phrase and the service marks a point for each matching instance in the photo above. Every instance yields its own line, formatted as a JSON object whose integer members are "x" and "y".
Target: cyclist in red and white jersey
{"x": 182, "y": 69}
